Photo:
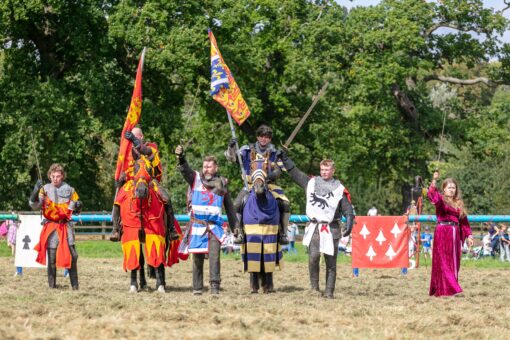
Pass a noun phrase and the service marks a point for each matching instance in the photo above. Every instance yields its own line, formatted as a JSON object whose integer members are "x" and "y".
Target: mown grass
{"x": 379, "y": 304}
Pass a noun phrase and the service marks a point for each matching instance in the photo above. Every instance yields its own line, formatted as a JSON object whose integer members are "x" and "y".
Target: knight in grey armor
{"x": 58, "y": 201}
{"x": 262, "y": 149}
{"x": 321, "y": 193}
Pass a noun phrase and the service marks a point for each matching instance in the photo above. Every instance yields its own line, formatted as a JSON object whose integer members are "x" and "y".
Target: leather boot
{"x": 254, "y": 283}
{"x": 330, "y": 283}
{"x": 215, "y": 287}
{"x": 73, "y": 271}
{"x": 314, "y": 276}
{"x": 283, "y": 239}
{"x": 52, "y": 267}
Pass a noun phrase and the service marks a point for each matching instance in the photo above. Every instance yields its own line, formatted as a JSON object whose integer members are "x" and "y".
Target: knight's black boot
{"x": 254, "y": 283}
{"x": 268, "y": 286}
{"x": 330, "y": 276}
{"x": 73, "y": 271}
{"x": 160, "y": 279}
{"x": 52, "y": 267}
{"x": 284, "y": 207}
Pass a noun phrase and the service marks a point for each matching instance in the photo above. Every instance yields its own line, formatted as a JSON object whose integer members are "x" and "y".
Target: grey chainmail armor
{"x": 62, "y": 194}
{"x": 323, "y": 187}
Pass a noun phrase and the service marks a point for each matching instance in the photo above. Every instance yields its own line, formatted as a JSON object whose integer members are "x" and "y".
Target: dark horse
{"x": 140, "y": 207}
{"x": 260, "y": 217}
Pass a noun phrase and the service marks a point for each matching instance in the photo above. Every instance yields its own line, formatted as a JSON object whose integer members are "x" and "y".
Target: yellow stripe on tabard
{"x": 261, "y": 229}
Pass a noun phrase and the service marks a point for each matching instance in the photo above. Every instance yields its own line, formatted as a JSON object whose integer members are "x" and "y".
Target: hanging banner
{"x": 29, "y": 230}
{"x": 380, "y": 242}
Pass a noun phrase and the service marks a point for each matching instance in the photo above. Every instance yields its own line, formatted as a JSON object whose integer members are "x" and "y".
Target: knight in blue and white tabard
{"x": 207, "y": 195}
{"x": 326, "y": 201}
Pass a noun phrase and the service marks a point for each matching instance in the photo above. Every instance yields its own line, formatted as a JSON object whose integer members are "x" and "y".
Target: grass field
{"x": 378, "y": 304}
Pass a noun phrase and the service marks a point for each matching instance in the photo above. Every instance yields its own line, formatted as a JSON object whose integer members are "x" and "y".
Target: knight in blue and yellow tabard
{"x": 57, "y": 200}
{"x": 263, "y": 149}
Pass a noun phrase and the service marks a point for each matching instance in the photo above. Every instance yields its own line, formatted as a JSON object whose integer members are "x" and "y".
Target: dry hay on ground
{"x": 378, "y": 304}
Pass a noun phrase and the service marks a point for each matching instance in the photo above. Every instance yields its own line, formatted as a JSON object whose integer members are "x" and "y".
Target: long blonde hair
{"x": 455, "y": 201}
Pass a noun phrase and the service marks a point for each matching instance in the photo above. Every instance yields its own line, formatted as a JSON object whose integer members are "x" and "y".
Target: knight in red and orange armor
{"x": 57, "y": 200}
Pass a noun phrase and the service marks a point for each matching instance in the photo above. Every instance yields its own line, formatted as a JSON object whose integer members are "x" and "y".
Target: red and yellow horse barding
{"x": 144, "y": 210}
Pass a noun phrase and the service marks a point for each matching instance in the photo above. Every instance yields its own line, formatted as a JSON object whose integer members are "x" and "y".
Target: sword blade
{"x": 302, "y": 120}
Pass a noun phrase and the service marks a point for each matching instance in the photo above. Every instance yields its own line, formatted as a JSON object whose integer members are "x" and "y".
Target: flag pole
{"x": 232, "y": 129}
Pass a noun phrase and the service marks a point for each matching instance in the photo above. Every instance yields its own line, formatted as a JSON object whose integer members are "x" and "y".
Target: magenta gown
{"x": 446, "y": 253}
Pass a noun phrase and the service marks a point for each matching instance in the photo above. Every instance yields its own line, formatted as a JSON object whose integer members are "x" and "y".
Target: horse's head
{"x": 258, "y": 173}
{"x": 142, "y": 177}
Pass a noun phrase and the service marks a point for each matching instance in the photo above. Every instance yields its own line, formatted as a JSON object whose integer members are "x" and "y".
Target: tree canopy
{"x": 405, "y": 95}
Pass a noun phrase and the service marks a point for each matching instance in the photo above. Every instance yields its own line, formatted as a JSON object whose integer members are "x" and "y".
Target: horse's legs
{"x": 160, "y": 278}
{"x": 269, "y": 286}
{"x": 143, "y": 281}
{"x": 254, "y": 283}
{"x": 134, "y": 284}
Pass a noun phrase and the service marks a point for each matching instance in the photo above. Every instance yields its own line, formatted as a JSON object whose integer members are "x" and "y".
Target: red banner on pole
{"x": 133, "y": 117}
{"x": 380, "y": 242}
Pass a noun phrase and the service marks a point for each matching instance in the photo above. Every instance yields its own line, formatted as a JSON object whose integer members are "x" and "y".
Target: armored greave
{"x": 314, "y": 260}
{"x": 331, "y": 271}
{"x": 160, "y": 276}
{"x": 284, "y": 208}
{"x": 73, "y": 271}
{"x": 52, "y": 267}
{"x": 254, "y": 282}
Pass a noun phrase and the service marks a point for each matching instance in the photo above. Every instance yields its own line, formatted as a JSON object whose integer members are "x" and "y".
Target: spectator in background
{"x": 292, "y": 232}
{"x": 426, "y": 241}
{"x": 504, "y": 243}
{"x": 11, "y": 227}
{"x": 372, "y": 211}
{"x": 494, "y": 237}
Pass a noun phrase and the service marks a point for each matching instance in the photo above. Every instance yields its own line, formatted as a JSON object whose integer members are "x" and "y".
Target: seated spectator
{"x": 344, "y": 246}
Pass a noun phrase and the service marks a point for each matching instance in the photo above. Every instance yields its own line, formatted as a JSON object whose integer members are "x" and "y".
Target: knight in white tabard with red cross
{"x": 326, "y": 201}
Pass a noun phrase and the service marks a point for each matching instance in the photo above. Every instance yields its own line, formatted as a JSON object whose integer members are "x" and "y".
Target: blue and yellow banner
{"x": 224, "y": 88}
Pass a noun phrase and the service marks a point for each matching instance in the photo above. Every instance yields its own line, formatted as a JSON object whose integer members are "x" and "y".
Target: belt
{"x": 455, "y": 224}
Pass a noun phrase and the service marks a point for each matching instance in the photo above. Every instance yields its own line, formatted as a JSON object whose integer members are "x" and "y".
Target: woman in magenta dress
{"x": 452, "y": 230}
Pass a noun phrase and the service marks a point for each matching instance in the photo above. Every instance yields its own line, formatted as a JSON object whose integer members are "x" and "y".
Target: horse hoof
{"x": 197, "y": 292}
{"x": 133, "y": 289}
{"x": 161, "y": 289}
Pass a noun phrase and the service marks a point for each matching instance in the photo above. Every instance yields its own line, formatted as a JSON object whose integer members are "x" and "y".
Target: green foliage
{"x": 67, "y": 71}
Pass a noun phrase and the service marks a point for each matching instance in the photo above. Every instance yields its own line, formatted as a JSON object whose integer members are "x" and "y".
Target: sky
{"x": 496, "y": 4}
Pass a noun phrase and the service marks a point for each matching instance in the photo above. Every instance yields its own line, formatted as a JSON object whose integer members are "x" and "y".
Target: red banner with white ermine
{"x": 380, "y": 242}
